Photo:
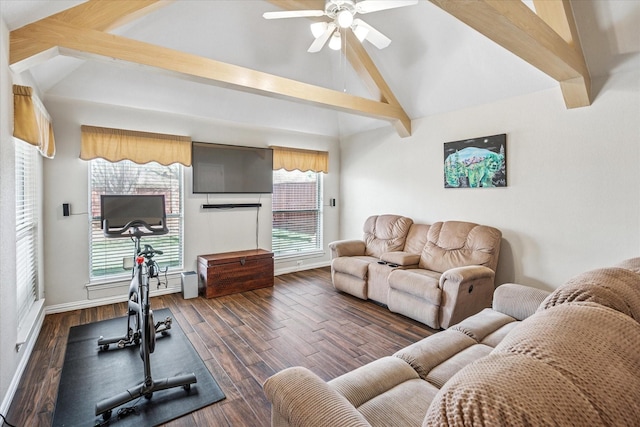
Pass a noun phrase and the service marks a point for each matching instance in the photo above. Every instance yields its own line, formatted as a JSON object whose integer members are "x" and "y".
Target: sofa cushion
{"x": 386, "y": 391}
{"x": 416, "y": 238}
{"x": 517, "y": 301}
{"x": 385, "y": 233}
{"x": 416, "y": 282}
{"x": 429, "y": 352}
{"x": 457, "y": 244}
{"x": 354, "y": 265}
{"x": 512, "y": 390}
{"x": 447, "y": 369}
{"x": 562, "y": 366}
{"x": 482, "y": 324}
{"x": 632, "y": 264}
{"x": 616, "y": 288}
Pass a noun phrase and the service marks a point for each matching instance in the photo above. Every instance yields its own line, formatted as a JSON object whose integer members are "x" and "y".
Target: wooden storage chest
{"x": 232, "y": 272}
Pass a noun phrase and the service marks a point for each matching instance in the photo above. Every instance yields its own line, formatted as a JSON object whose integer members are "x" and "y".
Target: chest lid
{"x": 232, "y": 257}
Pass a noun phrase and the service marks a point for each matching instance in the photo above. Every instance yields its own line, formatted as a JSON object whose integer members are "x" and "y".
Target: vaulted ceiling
{"x": 222, "y": 60}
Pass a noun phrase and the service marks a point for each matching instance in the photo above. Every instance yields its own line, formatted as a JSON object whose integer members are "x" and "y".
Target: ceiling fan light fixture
{"x": 318, "y": 28}
{"x": 336, "y": 41}
{"x": 345, "y": 18}
{"x": 361, "y": 32}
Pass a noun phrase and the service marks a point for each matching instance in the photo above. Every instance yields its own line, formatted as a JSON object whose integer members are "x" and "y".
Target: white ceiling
{"x": 433, "y": 65}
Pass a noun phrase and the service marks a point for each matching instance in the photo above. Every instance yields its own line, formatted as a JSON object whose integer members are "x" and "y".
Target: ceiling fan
{"x": 342, "y": 13}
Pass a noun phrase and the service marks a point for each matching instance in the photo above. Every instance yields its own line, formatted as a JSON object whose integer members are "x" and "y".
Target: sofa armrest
{"x": 403, "y": 259}
{"x": 303, "y": 399}
{"x": 468, "y": 273}
{"x": 465, "y": 292}
{"x": 347, "y": 248}
{"x": 517, "y": 301}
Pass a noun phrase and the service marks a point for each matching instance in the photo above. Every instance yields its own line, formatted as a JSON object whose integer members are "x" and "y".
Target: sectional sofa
{"x": 568, "y": 358}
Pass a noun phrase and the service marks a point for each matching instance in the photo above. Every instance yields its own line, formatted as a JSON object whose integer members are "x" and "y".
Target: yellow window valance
{"x": 139, "y": 147}
{"x": 31, "y": 122}
{"x": 302, "y": 160}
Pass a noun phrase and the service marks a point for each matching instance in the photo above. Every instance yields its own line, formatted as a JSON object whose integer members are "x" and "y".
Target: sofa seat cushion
{"x": 429, "y": 352}
{"x": 355, "y": 265}
{"x": 447, "y": 369}
{"x": 386, "y": 392}
{"x": 419, "y": 283}
{"x": 485, "y": 323}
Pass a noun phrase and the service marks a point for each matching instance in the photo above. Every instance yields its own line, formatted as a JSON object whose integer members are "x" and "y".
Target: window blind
{"x": 297, "y": 213}
{"x": 126, "y": 177}
{"x": 26, "y": 161}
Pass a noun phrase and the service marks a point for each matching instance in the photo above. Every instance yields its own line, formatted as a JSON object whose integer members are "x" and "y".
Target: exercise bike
{"x": 141, "y": 329}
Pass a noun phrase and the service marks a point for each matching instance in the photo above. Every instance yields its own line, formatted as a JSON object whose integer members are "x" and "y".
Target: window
{"x": 297, "y": 212}
{"x": 26, "y": 158}
{"x": 126, "y": 177}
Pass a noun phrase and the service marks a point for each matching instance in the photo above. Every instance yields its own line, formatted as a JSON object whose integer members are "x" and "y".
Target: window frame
{"x": 319, "y": 223}
{"x": 124, "y": 247}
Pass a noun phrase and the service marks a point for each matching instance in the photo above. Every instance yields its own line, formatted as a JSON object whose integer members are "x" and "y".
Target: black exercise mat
{"x": 90, "y": 375}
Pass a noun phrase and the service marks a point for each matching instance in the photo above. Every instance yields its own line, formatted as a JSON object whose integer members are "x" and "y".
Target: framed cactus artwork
{"x": 476, "y": 163}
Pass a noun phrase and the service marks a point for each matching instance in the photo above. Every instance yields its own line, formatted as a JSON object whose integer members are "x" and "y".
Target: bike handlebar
{"x": 138, "y": 227}
{"x": 149, "y": 252}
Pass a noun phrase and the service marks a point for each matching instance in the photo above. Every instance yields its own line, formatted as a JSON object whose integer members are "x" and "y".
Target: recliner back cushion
{"x": 385, "y": 233}
{"x": 453, "y": 244}
{"x": 416, "y": 238}
{"x": 616, "y": 288}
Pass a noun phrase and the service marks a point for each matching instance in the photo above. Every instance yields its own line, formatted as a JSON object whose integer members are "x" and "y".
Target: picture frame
{"x": 476, "y": 163}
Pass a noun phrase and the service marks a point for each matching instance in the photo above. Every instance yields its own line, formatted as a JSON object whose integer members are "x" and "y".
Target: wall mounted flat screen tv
{"x": 219, "y": 168}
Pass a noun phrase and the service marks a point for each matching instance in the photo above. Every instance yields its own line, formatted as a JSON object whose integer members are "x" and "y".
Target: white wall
{"x": 8, "y": 314}
{"x": 573, "y": 196}
{"x": 17, "y": 338}
{"x": 205, "y": 231}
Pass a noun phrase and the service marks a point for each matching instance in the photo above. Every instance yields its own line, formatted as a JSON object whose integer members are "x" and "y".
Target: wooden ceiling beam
{"x": 518, "y": 29}
{"x": 373, "y": 80}
{"x": 559, "y": 16}
{"x": 100, "y": 15}
{"x": 96, "y": 45}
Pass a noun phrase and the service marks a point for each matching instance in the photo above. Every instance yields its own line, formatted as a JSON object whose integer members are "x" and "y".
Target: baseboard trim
{"x": 28, "y": 346}
{"x": 79, "y": 305}
{"x": 287, "y": 270}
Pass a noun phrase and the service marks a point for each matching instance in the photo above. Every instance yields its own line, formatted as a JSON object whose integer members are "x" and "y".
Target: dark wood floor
{"x": 243, "y": 339}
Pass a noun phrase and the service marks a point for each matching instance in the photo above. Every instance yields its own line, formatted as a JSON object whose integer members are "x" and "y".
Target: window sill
{"x": 310, "y": 254}
{"x": 29, "y": 323}
{"x": 117, "y": 282}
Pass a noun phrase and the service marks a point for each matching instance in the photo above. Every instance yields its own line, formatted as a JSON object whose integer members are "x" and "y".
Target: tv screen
{"x": 119, "y": 210}
{"x": 221, "y": 168}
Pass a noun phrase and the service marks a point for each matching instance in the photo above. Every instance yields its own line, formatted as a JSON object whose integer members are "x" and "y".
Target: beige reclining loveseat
{"x": 436, "y": 274}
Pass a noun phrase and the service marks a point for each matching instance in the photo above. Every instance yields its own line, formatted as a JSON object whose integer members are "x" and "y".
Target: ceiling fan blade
{"x": 368, "y": 6}
{"x": 292, "y": 14}
{"x": 319, "y": 42}
{"x": 373, "y": 36}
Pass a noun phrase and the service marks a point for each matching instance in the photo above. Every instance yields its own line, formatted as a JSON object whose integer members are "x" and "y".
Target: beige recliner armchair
{"x": 351, "y": 258}
{"x": 455, "y": 275}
